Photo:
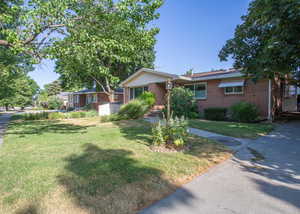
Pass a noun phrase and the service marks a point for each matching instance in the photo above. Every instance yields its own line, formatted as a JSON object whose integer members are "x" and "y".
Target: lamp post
{"x": 169, "y": 86}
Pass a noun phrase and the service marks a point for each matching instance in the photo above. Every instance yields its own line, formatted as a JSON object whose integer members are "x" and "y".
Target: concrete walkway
{"x": 4, "y": 119}
{"x": 244, "y": 185}
{"x": 233, "y": 143}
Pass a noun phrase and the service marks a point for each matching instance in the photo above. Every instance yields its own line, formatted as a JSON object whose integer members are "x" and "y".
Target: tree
{"x": 266, "y": 44}
{"x": 108, "y": 47}
{"x": 18, "y": 90}
{"x": 189, "y": 72}
{"x": 27, "y": 26}
{"x": 53, "y": 88}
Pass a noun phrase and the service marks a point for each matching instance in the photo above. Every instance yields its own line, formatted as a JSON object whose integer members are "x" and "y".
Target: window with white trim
{"x": 94, "y": 98}
{"x": 76, "y": 98}
{"x": 199, "y": 90}
{"x": 234, "y": 90}
{"x": 91, "y": 98}
{"x": 135, "y": 92}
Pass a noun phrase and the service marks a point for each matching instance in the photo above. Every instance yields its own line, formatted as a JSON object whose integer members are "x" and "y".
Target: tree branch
{"x": 101, "y": 85}
{"x": 5, "y": 43}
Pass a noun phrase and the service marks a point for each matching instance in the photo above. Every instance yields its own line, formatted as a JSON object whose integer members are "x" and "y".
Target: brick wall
{"x": 253, "y": 93}
{"x": 159, "y": 89}
{"x": 104, "y": 98}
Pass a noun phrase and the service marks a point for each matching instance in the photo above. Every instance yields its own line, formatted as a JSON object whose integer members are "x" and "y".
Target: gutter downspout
{"x": 270, "y": 101}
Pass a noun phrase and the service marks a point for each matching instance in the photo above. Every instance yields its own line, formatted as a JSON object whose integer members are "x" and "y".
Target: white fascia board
{"x": 219, "y": 76}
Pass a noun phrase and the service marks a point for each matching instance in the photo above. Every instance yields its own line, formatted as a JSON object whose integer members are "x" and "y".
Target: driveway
{"x": 4, "y": 119}
{"x": 263, "y": 177}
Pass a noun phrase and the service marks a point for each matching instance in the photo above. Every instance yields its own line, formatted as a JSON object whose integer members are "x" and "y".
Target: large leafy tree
{"x": 17, "y": 90}
{"x": 53, "y": 88}
{"x": 110, "y": 41}
{"x": 96, "y": 41}
{"x": 267, "y": 44}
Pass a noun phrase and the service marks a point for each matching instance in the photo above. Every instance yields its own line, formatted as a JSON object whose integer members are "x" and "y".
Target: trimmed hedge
{"x": 216, "y": 113}
{"x": 56, "y": 115}
{"x": 244, "y": 112}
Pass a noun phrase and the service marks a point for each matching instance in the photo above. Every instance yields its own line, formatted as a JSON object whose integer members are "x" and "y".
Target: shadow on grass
{"x": 29, "y": 209}
{"x": 110, "y": 181}
{"x": 43, "y": 126}
{"x": 137, "y": 130}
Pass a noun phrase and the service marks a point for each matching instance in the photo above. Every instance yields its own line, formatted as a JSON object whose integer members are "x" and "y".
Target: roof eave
{"x": 219, "y": 76}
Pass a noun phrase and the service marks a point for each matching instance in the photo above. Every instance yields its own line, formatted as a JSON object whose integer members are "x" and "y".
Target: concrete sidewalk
{"x": 233, "y": 143}
{"x": 244, "y": 185}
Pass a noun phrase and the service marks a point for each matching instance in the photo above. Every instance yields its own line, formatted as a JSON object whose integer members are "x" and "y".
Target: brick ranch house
{"x": 85, "y": 97}
{"x": 221, "y": 88}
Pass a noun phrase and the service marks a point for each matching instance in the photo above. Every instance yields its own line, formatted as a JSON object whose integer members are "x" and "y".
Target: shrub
{"x": 244, "y": 112}
{"x": 92, "y": 113}
{"x": 55, "y": 103}
{"x": 158, "y": 134}
{"x": 134, "y": 109}
{"x": 56, "y": 115}
{"x": 70, "y": 108}
{"x": 76, "y": 114}
{"x": 148, "y": 98}
{"x": 172, "y": 134}
{"x": 112, "y": 117}
{"x": 87, "y": 107}
{"x": 183, "y": 103}
{"x": 215, "y": 113}
{"x": 36, "y": 116}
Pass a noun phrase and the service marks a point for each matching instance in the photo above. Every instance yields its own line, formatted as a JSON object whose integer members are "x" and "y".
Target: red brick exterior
{"x": 253, "y": 93}
{"x": 159, "y": 89}
{"x": 101, "y": 98}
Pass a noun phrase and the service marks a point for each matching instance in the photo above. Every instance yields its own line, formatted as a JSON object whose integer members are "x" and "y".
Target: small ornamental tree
{"x": 183, "y": 103}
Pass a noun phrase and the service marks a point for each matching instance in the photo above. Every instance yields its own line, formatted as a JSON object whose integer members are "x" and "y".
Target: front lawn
{"x": 83, "y": 166}
{"x": 234, "y": 129}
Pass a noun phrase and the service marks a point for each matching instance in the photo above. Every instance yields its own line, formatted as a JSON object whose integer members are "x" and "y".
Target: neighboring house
{"x": 221, "y": 88}
{"x": 85, "y": 97}
{"x": 64, "y": 96}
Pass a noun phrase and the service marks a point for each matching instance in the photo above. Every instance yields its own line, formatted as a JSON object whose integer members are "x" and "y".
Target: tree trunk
{"x": 6, "y": 107}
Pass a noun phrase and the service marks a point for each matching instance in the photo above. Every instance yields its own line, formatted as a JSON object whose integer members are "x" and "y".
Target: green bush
{"x": 172, "y": 134}
{"x": 182, "y": 103}
{"x": 244, "y": 112}
{"x": 92, "y": 113}
{"x": 56, "y": 115}
{"x": 70, "y": 108}
{"x": 36, "y": 116}
{"x": 87, "y": 107}
{"x": 134, "y": 109}
{"x": 148, "y": 98}
{"x": 55, "y": 103}
{"x": 158, "y": 134}
{"x": 216, "y": 113}
{"x": 112, "y": 117}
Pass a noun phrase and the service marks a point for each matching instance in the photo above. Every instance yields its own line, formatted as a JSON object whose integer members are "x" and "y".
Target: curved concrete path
{"x": 243, "y": 185}
{"x": 4, "y": 119}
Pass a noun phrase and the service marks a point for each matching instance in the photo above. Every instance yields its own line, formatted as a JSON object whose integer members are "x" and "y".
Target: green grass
{"x": 234, "y": 129}
{"x": 79, "y": 167}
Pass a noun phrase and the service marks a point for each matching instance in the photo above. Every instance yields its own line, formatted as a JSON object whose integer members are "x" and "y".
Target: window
{"x": 94, "y": 98}
{"x": 199, "y": 90}
{"x": 76, "y": 98}
{"x": 91, "y": 98}
{"x": 234, "y": 90}
{"x": 135, "y": 92}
